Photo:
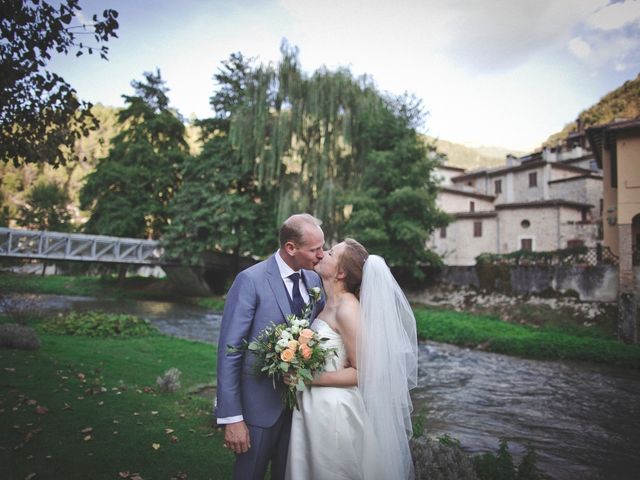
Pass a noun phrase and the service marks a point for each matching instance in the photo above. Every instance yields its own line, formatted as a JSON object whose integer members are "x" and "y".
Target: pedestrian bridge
{"x": 44, "y": 245}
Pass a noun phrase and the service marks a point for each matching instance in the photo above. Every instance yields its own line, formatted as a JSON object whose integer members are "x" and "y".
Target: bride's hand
{"x": 289, "y": 379}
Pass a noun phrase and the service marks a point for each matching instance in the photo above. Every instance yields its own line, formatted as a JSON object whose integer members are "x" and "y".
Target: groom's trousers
{"x": 267, "y": 445}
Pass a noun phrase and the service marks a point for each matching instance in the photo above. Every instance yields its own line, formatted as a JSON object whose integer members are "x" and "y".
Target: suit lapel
{"x": 278, "y": 288}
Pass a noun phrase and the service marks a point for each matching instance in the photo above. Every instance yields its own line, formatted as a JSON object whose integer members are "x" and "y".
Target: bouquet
{"x": 290, "y": 348}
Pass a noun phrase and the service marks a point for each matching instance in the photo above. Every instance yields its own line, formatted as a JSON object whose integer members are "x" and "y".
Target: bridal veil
{"x": 387, "y": 368}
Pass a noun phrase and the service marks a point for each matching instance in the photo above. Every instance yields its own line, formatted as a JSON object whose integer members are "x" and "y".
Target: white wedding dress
{"x": 329, "y": 432}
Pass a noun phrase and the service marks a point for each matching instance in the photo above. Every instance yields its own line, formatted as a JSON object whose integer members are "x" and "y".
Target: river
{"x": 582, "y": 419}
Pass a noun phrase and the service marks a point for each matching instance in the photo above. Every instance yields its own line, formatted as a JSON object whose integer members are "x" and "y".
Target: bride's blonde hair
{"x": 351, "y": 262}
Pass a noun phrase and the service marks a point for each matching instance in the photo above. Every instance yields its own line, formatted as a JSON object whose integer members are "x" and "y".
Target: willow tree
{"x": 302, "y": 136}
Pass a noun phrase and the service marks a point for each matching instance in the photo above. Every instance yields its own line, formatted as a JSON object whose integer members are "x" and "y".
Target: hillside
{"x": 623, "y": 102}
{"x": 470, "y": 158}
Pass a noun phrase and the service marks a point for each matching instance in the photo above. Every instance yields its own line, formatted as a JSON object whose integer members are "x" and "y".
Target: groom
{"x": 249, "y": 405}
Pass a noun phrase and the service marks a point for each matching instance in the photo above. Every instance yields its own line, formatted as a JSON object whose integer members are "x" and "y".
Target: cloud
{"x": 616, "y": 15}
{"x": 579, "y": 47}
{"x": 609, "y": 37}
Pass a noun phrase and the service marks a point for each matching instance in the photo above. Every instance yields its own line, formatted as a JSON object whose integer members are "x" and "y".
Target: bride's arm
{"x": 348, "y": 325}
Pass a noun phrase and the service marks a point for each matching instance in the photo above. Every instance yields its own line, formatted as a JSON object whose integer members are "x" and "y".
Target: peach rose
{"x": 292, "y": 345}
{"x": 305, "y": 336}
{"x": 287, "y": 355}
{"x": 306, "y": 351}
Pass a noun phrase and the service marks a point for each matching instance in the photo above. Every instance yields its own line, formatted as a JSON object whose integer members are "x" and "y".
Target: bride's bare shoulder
{"x": 348, "y": 310}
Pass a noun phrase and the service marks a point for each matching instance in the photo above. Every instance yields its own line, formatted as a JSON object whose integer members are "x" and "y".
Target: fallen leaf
{"x": 66, "y": 406}
{"x": 168, "y": 430}
{"x": 154, "y": 412}
{"x": 9, "y": 369}
{"x": 30, "y": 476}
{"x": 135, "y": 414}
{"x": 136, "y": 477}
{"x": 124, "y": 474}
{"x": 40, "y": 410}
{"x": 87, "y": 438}
{"x": 155, "y": 446}
{"x": 174, "y": 439}
{"x": 31, "y": 402}
{"x": 81, "y": 376}
{"x": 87, "y": 430}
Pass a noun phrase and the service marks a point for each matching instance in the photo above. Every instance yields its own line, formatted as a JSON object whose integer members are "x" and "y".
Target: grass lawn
{"x": 83, "y": 408}
{"x": 108, "y": 286}
{"x": 547, "y": 342}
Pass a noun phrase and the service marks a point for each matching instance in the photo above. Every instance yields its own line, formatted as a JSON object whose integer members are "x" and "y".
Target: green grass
{"x": 107, "y": 286}
{"x": 108, "y": 386}
{"x": 546, "y": 342}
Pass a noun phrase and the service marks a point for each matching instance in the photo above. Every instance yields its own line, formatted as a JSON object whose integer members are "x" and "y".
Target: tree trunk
{"x": 122, "y": 273}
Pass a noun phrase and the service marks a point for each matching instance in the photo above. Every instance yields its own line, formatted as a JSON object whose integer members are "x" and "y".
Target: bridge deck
{"x": 46, "y": 245}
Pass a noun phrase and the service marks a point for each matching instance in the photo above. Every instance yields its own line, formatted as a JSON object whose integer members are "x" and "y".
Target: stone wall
{"x": 590, "y": 283}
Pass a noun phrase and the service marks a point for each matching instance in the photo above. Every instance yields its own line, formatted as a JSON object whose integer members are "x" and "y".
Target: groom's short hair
{"x": 293, "y": 228}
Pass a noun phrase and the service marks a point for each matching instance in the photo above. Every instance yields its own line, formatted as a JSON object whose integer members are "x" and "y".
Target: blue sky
{"x": 490, "y": 72}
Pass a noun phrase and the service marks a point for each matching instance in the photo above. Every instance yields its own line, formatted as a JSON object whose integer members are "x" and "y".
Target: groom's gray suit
{"x": 257, "y": 298}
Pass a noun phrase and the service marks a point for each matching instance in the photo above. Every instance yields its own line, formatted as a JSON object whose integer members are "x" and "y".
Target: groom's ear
{"x": 290, "y": 248}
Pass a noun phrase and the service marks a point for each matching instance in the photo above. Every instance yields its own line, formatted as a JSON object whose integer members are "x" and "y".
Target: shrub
{"x": 18, "y": 336}
{"x": 500, "y": 467}
{"x": 99, "y": 324}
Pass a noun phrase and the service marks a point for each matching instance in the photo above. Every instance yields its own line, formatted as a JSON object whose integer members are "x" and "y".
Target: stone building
{"x": 544, "y": 201}
{"x": 617, "y": 151}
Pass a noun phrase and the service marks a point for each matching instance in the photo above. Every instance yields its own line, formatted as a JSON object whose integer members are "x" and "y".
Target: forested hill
{"x": 459, "y": 155}
{"x": 623, "y": 102}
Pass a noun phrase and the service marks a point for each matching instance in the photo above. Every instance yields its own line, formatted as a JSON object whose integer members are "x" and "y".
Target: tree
{"x": 334, "y": 146}
{"x": 394, "y": 212}
{"x": 40, "y": 114}
{"x": 129, "y": 192}
{"x": 220, "y": 207}
{"x": 46, "y": 208}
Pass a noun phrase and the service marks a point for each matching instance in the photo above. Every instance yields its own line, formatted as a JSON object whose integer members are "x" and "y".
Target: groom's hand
{"x": 236, "y": 437}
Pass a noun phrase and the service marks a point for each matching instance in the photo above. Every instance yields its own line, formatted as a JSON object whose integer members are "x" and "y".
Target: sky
{"x": 505, "y": 73}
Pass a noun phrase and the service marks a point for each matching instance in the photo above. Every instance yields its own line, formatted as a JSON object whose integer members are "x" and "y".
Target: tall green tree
{"x": 129, "y": 192}
{"x": 334, "y": 146}
{"x": 40, "y": 114}
{"x": 394, "y": 210}
{"x": 46, "y": 208}
{"x": 220, "y": 207}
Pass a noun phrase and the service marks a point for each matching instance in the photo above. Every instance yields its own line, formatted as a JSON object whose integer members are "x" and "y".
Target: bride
{"x": 354, "y": 419}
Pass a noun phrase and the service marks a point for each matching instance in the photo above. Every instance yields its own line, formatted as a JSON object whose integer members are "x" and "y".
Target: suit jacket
{"x": 256, "y": 299}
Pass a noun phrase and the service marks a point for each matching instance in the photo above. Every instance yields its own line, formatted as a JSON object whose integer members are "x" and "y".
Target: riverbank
{"x": 546, "y": 329}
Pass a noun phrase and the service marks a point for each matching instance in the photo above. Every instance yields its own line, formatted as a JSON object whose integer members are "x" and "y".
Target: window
{"x": 477, "y": 229}
{"x": 525, "y": 223}
{"x": 601, "y": 207}
{"x": 526, "y": 244}
{"x": 584, "y": 217}
{"x": 614, "y": 165}
{"x": 472, "y": 206}
{"x": 575, "y": 243}
{"x": 498, "y": 186}
{"x": 533, "y": 179}
{"x": 443, "y": 232}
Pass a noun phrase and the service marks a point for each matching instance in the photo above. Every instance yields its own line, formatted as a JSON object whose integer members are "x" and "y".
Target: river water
{"x": 582, "y": 419}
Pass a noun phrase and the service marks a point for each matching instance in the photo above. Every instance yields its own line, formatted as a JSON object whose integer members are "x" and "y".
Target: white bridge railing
{"x": 73, "y": 246}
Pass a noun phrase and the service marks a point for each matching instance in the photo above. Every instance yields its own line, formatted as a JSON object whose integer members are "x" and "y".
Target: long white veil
{"x": 387, "y": 368}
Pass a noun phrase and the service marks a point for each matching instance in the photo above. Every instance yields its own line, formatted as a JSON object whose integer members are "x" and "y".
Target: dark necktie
{"x": 297, "y": 303}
